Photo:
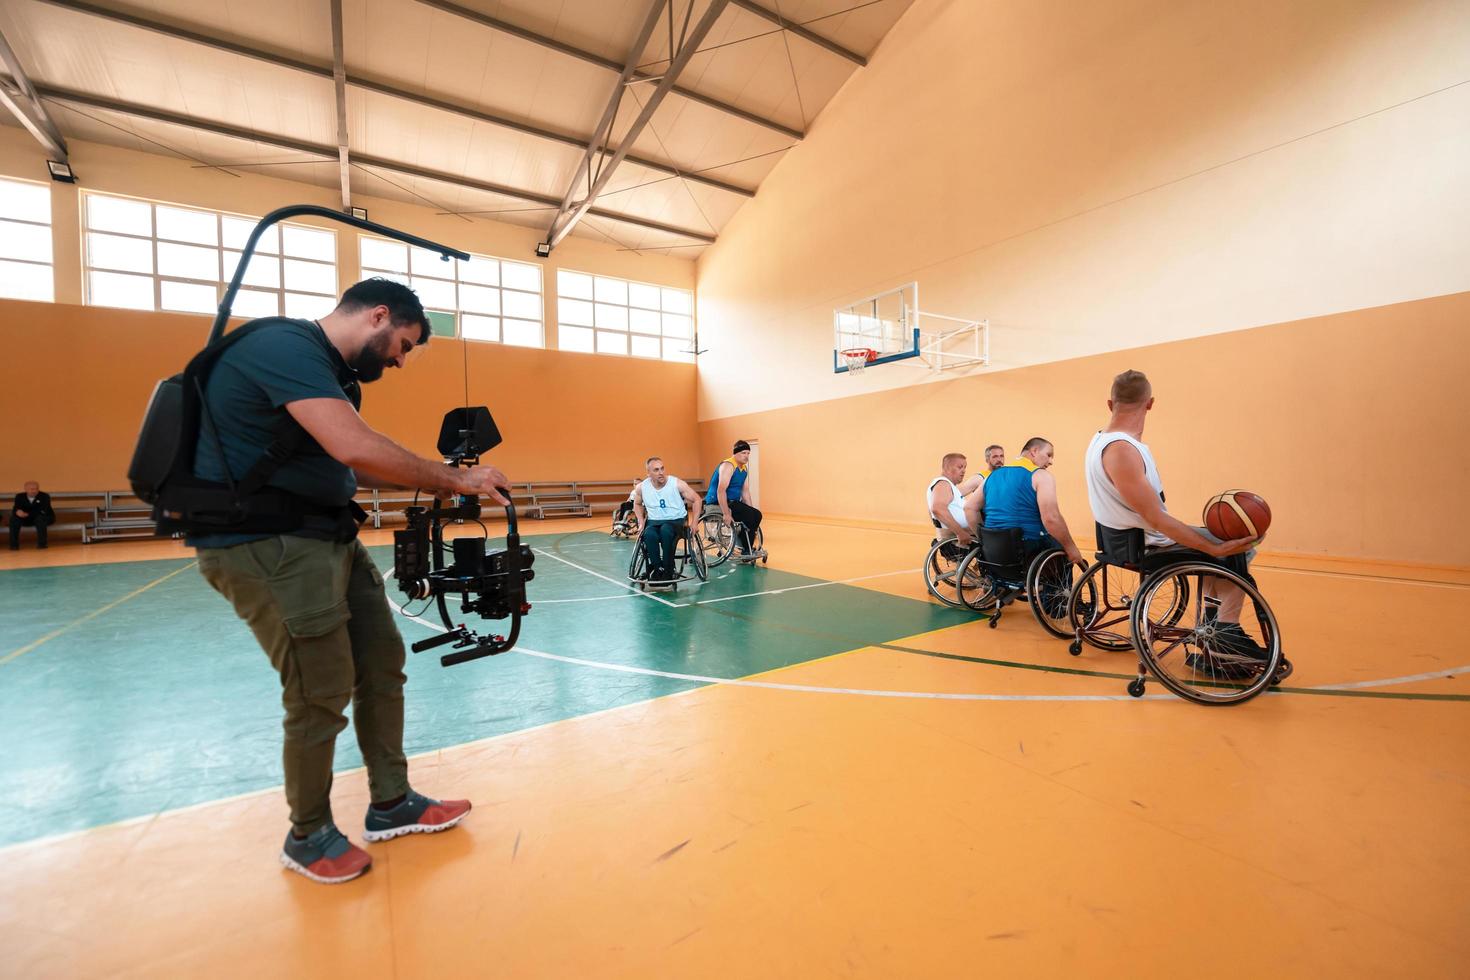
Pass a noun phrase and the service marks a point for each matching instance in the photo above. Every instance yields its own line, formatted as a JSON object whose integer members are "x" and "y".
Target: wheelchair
{"x": 689, "y": 560}
{"x": 717, "y": 539}
{"x": 1162, "y": 605}
{"x": 1004, "y": 568}
{"x": 624, "y": 522}
{"x": 941, "y": 570}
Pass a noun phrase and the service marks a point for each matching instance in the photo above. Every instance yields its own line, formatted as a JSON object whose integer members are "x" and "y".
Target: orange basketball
{"x": 1237, "y": 514}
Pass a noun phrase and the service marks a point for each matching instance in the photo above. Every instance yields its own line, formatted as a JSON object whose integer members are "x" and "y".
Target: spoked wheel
{"x": 638, "y": 567}
{"x": 1049, "y": 584}
{"x": 716, "y": 538}
{"x": 694, "y": 556}
{"x": 974, "y": 586}
{"x": 757, "y": 542}
{"x": 1101, "y": 604}
{"x": 940, "y": 570}
{"x": 1187, "y": 646}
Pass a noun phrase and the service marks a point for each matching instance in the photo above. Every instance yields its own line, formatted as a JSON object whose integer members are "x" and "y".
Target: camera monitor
{"x": 468, "y": 432}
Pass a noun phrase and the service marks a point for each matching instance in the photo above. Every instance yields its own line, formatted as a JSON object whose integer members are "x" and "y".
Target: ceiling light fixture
{"x": 61, "y": 171}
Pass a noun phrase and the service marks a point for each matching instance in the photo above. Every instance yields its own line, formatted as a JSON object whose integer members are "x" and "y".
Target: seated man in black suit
{"x": 32, "y": 509}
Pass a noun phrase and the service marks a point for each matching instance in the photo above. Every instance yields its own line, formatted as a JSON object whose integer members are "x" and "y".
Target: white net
{"x": 857, "y": 359}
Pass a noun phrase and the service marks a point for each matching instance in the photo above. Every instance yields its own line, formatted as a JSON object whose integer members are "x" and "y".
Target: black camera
{"x": 491, "y": 585}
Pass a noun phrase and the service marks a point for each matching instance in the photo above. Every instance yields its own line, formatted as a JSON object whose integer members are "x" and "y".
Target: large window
{"x": 25, "y": 241}
{"x": 614, "y": 316}
{"x": 146, "y": 256}
{"x": 493, "y": 299}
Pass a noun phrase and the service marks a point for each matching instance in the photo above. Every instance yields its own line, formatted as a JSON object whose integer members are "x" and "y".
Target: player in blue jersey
{"x": 727, "y": 491}
{"x": 1023, "y": 494}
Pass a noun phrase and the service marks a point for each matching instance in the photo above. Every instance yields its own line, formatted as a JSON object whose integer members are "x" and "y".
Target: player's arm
{"x": 1051, "y": 515}
{"x": 1124, "y": 466}
{"x": 972, "y": 484}
{"x": 943, "y": 495}
{"x": 691, "y": 501}
{"x": 638, "y": 510}
{"x": 337, "y": 427}
{"x": 727, "y": 470}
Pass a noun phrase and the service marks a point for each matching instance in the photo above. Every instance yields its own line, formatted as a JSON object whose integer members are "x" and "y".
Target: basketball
{"x": 1237, "y": 514}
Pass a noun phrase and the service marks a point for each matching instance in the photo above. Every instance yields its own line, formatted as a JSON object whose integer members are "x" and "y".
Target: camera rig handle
{"x": 504, "y": 580}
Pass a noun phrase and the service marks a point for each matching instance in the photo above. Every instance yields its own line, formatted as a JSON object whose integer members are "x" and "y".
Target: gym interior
{"x": 811, "y": 765}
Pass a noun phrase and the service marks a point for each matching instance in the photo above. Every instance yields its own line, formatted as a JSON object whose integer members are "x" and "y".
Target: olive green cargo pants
{"x": 319, "y": 612}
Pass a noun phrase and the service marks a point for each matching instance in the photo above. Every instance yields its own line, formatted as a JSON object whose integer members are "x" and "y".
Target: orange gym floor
{"x": 959, "y": 802}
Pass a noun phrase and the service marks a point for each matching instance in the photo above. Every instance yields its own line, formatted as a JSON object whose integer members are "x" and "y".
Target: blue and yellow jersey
{"x": 737, "y": 482}
{"x": 1010, "y": 499}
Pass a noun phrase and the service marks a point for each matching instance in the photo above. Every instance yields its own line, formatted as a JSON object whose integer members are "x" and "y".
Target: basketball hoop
{"x": 857, "y": 358}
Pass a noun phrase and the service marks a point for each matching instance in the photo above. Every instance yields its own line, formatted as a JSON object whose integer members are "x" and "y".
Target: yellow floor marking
{"x": 92, "y": 615}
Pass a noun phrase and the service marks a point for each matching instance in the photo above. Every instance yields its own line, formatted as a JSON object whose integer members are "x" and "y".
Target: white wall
{"x": 1104, "y": 175}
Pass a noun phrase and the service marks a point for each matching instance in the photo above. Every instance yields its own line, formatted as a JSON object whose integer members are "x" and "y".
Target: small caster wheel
{"x": 1135, "y": 687}
{"x": 1075, "y": 648}
{"x": 1282, "y": 673}
{"x": 995, "y": 621}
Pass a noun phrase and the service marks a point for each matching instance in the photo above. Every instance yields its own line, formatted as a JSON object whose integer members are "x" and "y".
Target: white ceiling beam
{"x": 792, "y": 27}
{"x": 368, "y": 85}
{"x": 339, "y": 84}
{"x": 592, "y": 58}
{"x": 328, "y": 153}
{"x": 570, "y": 213}
{"x": 21, "y": 99}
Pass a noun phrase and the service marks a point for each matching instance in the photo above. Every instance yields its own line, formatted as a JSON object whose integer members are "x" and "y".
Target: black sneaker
{"x": 1234, "y": 651}
{"x": 1209, "y": 665}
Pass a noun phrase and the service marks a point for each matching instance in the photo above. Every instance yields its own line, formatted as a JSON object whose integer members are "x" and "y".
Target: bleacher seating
{"x": 110, "y": 515}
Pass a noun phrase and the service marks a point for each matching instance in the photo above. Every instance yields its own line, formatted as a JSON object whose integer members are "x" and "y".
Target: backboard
{"x": 892, "y": 324}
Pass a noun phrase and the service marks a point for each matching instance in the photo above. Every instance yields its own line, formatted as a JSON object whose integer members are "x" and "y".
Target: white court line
{"x": 808, "y": 688}
{"x": 1407, "y": 679}
{"x": 621, "y": 585}
{"x": 798, "y": 588}
{"x": 1461, "y": 586}
{"x": 935, "y": 695}
{"x": 594, "y": 598}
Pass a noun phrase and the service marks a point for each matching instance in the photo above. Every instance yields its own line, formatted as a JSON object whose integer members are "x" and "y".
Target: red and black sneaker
{"x": 325, "y": 856}
{"x": 416, "y": 814}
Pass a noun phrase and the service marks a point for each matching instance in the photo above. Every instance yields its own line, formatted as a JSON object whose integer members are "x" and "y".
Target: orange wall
{"x": 1353, "y": 426}
{"x": 76, "y": 379}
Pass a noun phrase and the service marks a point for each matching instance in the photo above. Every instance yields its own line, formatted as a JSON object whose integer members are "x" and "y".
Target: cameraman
{"x": 313, "y": 597}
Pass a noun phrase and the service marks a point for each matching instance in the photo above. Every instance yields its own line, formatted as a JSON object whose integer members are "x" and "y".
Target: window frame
{"x": 222, "y": 251}
{"x": 627, "y": 331}
{"x": 367, "y": 271}
{"x": 49, "y": 224}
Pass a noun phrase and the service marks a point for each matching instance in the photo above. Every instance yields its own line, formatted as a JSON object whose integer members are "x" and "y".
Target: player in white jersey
{"x": 662, "y": 503}
{"x": 953, "y": 506}
{"x": 1126, "y": 491}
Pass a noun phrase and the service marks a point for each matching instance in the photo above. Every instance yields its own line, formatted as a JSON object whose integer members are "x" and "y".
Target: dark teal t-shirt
{"x": 247, "y": 391}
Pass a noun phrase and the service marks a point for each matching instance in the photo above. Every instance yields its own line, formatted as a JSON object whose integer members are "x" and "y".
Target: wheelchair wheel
{"x": 941, "y": 567}
{"x": 1100, "y": 604}
{"x": 694, "y": 554}
{"x": 716, "y": 539}
{"x": 638, "y": 566}
{"x": 973, "y": 585}
{"x": 1049, "y": 584}
{"x": 1190, "y": 651}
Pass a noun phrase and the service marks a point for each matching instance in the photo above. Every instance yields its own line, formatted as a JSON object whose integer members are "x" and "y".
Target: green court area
{"x": 126, "y": 690}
